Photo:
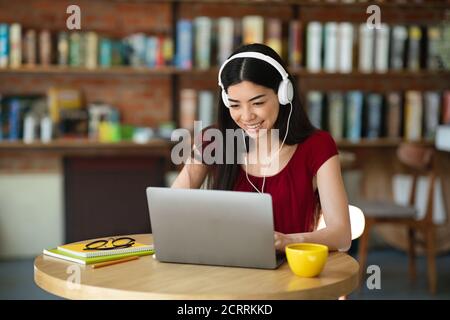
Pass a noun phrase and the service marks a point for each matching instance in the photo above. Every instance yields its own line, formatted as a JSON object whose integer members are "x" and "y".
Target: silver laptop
{"x": 225, "y": 228}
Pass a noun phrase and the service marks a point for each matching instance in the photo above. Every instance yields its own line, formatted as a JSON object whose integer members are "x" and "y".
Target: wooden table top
{"x": 147, "y": 278}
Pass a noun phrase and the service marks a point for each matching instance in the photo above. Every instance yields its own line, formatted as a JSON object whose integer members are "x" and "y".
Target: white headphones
{"x": 285, "y": 89}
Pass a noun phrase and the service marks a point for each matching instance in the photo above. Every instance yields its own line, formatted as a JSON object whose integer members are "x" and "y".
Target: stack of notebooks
{"x": 75, "y": 253}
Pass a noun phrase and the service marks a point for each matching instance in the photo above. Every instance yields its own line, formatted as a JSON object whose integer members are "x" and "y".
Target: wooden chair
{"x": 419, "y": 161}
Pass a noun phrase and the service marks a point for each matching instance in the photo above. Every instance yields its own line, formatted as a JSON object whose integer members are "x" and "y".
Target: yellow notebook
{"x": 77, "y": 250}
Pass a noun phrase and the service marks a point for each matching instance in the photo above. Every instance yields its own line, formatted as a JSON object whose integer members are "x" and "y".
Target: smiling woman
{"x": 258, "y": 97}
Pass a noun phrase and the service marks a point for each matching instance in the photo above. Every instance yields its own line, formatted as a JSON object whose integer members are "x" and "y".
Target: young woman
{"x": 306, "y": 180}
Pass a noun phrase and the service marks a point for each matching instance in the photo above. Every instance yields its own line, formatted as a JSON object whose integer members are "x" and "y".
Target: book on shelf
{"x": 366, "y": 48}
{"x": 331, "y": 47}
{"x": 203, "y": 40}
{"x": 75, "y": 49}
{"x": 63, "y": 98}
{"x": 374, "y": 114}
{"x": 432, "y": 105}
{"x": 105, "y": 52}
{"x": 314, "y": 46}
{"x": 67, "y": 112}
{"x": 151, "y": 51}
{"x": 15, "y": 45}
{"x": 206, "y": 108}
{"x": 4, "y": 45}
{"x": 295, "y": 45}
{"x": 415, "y": 38}
{"x": 345, "y": 53}
{"x": 225, "y": 40}
{"x": 413, "y": 115}
{"x": 353, "y": 115}
{"x": 314, "y": 103}
{"x": 63, "y": 48}
{"x": 393, "y": 114}
{"x": 398, "y": 41}
{"x": 184, "y": 44}
{"x": 29, "y": 46}
{"x": 14, "y": 120}
{"x": 121, "y": 52}
{"x": 275, "y": 35}
{"x": 82, "y": 50}
{"x": 336, "y": 110}
{"x": 138, "y": 47}
{"x": 188, "y": 108}
{"x": 91, "y": 50}
{"x": 45, "y": 48}
{"x": 167, "y": 50}
{"x": 160, "y": 58}
{"x": 238, "y": 32}
{"x": 19, "y": 116}
{"x": 252, "y": 29}
{"x": 434, "y": 39}
{"x": 382, "y": 48}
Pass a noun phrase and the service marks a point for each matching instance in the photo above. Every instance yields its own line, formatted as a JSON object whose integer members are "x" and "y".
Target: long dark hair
{"x": 223, "y": 176}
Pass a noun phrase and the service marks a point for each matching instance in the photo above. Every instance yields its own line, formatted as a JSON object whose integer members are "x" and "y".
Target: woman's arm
{"x": 191, "y": 176}
{"x": 333, "y": 198}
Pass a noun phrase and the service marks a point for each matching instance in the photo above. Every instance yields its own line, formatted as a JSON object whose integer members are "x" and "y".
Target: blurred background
{"x": 86, "y": 117}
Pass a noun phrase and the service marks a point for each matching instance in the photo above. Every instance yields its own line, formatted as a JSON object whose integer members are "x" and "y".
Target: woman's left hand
{"x": 281, "y": 240}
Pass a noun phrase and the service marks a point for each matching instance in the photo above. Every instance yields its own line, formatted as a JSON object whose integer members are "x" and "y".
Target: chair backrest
{"x": 357, "y": 223}
{"x": 419, "y": 160}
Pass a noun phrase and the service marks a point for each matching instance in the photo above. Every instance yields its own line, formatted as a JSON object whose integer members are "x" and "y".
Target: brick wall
{"x": 142, "y": 100}
{"x": 112, "y": 17}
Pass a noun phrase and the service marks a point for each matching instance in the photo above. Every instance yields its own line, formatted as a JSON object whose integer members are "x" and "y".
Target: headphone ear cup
{"x": 225, "y": 99}
{"x": 285, "y": 92}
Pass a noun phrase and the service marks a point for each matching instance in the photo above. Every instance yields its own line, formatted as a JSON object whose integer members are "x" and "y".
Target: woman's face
{"x": 253, "y": 107}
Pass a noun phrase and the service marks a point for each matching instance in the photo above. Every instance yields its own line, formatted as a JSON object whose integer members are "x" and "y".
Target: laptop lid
{"x": 226, "y": 228}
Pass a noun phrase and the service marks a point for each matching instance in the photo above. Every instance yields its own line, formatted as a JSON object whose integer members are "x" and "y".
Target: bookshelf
{"x": 403, "y": 12}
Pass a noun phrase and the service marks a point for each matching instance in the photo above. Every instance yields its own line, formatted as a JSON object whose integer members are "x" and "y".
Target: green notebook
{"x": 71, "y": 257}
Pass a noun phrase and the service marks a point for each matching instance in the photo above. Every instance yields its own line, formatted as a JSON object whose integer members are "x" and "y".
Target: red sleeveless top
{"x": 293, "y": 199}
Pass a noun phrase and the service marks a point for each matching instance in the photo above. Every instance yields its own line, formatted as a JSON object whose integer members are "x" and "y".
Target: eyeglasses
{"x": 116, "y": 243}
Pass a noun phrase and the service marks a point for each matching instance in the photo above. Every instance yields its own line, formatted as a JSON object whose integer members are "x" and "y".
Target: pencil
{"x": 109, "y": 263}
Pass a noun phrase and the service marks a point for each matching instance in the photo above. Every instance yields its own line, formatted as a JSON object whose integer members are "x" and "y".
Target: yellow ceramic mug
{"x": 306, "y": 259}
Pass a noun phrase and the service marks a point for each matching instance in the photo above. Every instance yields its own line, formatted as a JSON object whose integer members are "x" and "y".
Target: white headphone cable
{"x": 271, "y": 158}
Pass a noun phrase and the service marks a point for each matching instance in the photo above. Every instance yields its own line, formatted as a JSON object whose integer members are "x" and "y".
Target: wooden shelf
{"x": 62, "y": 70}
{"x": 379, "y": 143}
{"x": 88, "y": 147}
{"x": 322, "y": 3}
{"x": 69, "y": 145}
{"x": 124, "y": 70}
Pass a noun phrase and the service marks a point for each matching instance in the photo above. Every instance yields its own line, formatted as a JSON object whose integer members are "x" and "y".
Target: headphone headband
{"x": 256, "y": 55}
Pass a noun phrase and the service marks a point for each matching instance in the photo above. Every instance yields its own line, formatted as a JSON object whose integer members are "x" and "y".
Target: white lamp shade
{"x": 357, "y": 222}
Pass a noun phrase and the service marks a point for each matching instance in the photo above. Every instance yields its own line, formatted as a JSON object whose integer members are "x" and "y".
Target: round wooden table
{"x": 147, "y": 278}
